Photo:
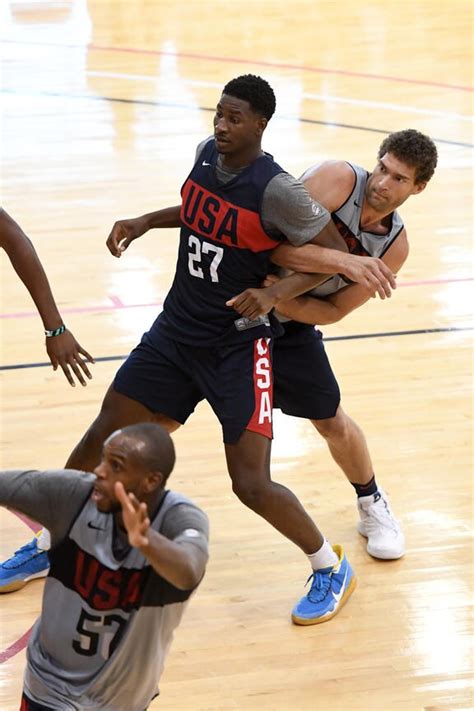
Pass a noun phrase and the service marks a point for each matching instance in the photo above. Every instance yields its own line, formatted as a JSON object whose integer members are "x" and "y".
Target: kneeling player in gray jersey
{"x": 126, "y": 556}
{"x": 363, "y": 206}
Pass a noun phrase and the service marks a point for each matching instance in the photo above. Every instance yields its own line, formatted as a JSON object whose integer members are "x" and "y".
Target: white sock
{"x": 44, "y": 539}
{"x": 324, "y": 557}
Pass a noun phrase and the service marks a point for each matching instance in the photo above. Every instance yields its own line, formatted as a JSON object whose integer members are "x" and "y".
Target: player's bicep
{"x": 396, "y": 255}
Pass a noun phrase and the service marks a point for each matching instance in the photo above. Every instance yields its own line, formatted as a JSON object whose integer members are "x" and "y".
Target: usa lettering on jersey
{"x": 212, "y": 217}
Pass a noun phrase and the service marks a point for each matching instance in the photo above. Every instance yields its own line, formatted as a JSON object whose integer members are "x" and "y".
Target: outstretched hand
{"x": 65, "y": 352}
{"x": 135, "y": 516}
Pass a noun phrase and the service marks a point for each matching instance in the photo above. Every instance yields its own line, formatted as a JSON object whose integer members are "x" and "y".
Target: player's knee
{"x": 333, "y": 427}
{"x": 250, "y": 493}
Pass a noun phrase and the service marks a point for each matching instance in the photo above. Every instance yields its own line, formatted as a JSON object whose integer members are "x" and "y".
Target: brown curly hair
{"x": 413, "y": 148}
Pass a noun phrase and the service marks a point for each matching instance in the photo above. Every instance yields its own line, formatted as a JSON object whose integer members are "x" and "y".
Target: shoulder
{"x": 201, "y": 146}
{"x": 287, "y": 187}
{"x": 330, "y": 183}
{"x": 332, "y": 169}
{"x": 183, "y": 509}
{"x": 186, "y": 521}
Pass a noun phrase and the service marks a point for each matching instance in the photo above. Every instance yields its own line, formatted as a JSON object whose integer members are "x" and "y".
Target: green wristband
{"x": 56, "y": 332}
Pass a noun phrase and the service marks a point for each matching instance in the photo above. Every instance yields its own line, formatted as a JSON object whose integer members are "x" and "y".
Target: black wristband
{"x": 56, "y": 332}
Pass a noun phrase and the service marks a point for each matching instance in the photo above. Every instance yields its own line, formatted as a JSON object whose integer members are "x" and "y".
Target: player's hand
{"x": 135, "y": 516}
{"x": 371, "y": 273}
{"x": 65, "y": 352}
{"x": 253, "y": 302}
{"x": 123, "y": 233}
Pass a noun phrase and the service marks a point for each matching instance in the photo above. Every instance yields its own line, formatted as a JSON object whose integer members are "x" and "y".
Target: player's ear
{"x": 419, "y": 187}
{"x": 261, "y": 125}
{"x": 153, "y": 481}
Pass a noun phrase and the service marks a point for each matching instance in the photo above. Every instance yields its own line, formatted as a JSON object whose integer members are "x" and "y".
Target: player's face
{"x": 119, "y": 462}
{"x": 391, "y": 183}
{"x": 237, "y": 129}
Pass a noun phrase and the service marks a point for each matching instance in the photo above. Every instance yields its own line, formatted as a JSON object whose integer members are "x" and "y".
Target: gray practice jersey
{"x": 107, "y": 617}
{"x": 360, "y": 242}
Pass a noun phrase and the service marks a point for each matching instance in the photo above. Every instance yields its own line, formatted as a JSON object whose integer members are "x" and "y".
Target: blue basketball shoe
{"x": 330, "y": 589}
{"x": 27, "y": 563}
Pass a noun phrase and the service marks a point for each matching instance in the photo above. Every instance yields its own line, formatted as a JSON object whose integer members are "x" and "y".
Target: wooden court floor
{"x": 103, "y": 104}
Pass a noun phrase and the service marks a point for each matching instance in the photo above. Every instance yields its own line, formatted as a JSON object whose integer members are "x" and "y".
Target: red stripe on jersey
{"x": 261, "y": 420}
{"x": 210, "y": 216}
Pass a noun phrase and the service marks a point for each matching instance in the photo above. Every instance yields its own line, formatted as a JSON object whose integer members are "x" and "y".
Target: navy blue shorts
{"x": 305, "y": 385}
{"x": 171, "y": 378}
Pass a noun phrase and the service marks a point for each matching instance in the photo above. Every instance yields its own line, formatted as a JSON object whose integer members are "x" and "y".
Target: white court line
{"x": 326, "y": 98}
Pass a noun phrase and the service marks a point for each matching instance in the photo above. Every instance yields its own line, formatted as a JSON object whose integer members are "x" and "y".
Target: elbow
{"x": 189, "y": 580}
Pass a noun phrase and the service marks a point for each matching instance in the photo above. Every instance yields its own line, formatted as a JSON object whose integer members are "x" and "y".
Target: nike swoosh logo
{"x": 337, "y": 596}
{"x": 206, "y": 163}
{"x": 96, "y": 528}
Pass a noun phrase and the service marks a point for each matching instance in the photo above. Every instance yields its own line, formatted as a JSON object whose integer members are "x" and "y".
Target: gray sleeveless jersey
{"x": 107, "y": 618}
{"x": 366, "y": 244}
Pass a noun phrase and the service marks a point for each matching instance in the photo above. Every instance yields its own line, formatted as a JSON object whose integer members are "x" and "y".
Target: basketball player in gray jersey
{"x": 126, "y": 555}
{"x": 363, "y": 206}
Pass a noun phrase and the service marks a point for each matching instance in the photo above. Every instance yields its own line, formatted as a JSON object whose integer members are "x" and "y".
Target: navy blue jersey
{"x": 224, "y": 249}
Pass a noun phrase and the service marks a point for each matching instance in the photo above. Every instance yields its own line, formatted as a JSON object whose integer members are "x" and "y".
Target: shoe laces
{"x": 22, "y": 555}
{"x": 379, "y": 514}
{"x": 321, "y": 582}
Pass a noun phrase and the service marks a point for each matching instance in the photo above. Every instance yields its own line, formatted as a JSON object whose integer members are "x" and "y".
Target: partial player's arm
{"x": 325, "y": 310}
{"x": 332, "y": 182}
{"x": 323, "y": 252}
{"x": 182, "y": 561}
{"x": 50, "y": 497}
{"x": 124, "y": 232}
{"x": 63, "y": 350}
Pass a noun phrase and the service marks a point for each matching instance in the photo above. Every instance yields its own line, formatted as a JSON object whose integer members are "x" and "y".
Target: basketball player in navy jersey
{"x": 237, "y": 204}
{"x": 363, "y": 206}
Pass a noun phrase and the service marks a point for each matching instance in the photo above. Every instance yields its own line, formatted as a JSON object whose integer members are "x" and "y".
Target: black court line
{"x": 192, "y": 107}
{"x": 357, "y": 336}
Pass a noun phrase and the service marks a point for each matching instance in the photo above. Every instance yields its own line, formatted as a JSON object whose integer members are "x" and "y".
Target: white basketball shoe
{"x": 381, "y": 528}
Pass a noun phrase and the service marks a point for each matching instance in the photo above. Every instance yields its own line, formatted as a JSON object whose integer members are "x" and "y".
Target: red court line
{"x": 16, "y": 647}
{"x": 22, "y": 641}
{"x": 252, "y": 62}
{"x": 117, "y": 303}
{"x": 279, "y": 65}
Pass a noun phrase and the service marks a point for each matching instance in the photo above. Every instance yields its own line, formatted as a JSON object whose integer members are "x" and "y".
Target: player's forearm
{"x": 167, "y": 217}
{"x": 309, "y": 258}
{"x": 294, "y": 285}
{"x": 182, "y": 566}
{"x": 27, "y": 265}
{"x": 307, "y": 309}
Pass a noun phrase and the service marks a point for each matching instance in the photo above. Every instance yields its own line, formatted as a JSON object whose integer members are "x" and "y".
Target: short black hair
{"x": 413, "y": 148}
{"x": 256, "y": 91}
{"x": 158, "y": 453}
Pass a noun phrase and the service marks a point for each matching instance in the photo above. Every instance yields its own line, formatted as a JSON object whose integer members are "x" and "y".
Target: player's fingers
{"x": 116, "y": 235}
{"x": 82, "y": 364}
{"x": 76, "y": 370}
{"x": 85, "y": 353}
{"x": 67, "y": 373}
{"x": 54, "y": 361}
